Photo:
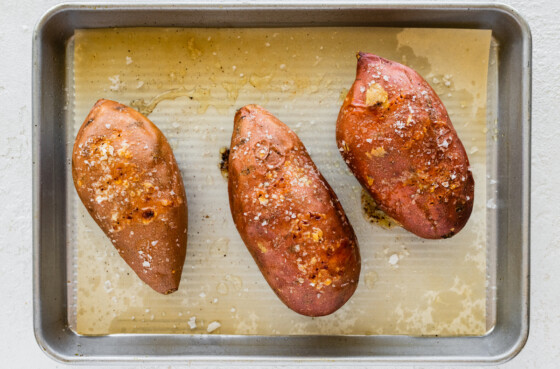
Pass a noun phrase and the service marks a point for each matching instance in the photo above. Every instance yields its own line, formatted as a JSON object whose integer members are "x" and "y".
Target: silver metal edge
{"x": 36, "y": 82}
{"x": 525, "y": 185}
{"x": 526, "y": 121}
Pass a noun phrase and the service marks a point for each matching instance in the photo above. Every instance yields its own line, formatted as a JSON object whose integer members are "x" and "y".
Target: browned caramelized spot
{"x": 448, "y": 235}
{"x": 376, "y": 96}
{"x": 375, "y": 215}
{"x": 247, "y": 170}
{"x": 148, "y": 214}
{"x": 224, "y": 160}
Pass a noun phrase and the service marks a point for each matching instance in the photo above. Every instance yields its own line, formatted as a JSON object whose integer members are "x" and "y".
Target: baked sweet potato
{"x": 126, "y": 175}
{"x": 396, "y": 136}
{"x": 289, "y": 217}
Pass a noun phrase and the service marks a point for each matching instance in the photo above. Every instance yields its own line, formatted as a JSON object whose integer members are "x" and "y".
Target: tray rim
{"x": 49, "y": 347}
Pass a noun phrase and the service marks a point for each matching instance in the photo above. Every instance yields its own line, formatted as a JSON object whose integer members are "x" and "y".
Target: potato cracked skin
{"x": 289, "y": 217}
{"x": 126, "y": 176}
{"x": 396, "y": 137}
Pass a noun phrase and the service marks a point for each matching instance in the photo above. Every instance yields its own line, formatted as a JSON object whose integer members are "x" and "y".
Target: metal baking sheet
{"x": 233, "y": 347}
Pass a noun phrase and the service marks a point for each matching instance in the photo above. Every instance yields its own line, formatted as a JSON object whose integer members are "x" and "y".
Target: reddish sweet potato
{"x": 289, "y": 217}
{"x": 396, "y": 136}
{"x": 125, "y": 174}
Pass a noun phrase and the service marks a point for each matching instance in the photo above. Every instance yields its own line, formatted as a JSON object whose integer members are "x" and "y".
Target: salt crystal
{"x": 117, "y": 84}
{"x": 192, "y": 322}
{"x": 213, "y": 326}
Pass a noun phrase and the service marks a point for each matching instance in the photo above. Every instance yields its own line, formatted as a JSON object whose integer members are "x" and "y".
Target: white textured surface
{"x": 17, "y": 345}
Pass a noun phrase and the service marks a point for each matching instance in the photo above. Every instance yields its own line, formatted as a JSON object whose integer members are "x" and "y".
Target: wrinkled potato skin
{"x": 289, "y": 217}
{"x": 396, "y": 136}
{"x": 126, "y": 176}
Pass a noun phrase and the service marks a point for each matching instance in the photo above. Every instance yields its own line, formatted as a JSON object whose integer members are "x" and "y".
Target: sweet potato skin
{"x": 394, "y": 133}
{"x": 126, "y": 175}
{"x": 289, "y": 217}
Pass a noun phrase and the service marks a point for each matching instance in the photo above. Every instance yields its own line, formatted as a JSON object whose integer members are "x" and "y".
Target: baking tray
{"x": 509, "y": 263}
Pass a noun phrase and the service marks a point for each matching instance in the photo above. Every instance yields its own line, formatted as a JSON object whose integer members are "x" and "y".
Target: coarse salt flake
{"x": 192, "y": 322}
{"x": 213, "y": 326}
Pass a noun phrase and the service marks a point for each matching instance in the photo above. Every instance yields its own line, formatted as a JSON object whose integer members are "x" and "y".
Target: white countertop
{"x": 18, "y": 348}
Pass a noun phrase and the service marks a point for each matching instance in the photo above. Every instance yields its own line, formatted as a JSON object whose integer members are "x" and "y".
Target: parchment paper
{"x": 191, "y": 81}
